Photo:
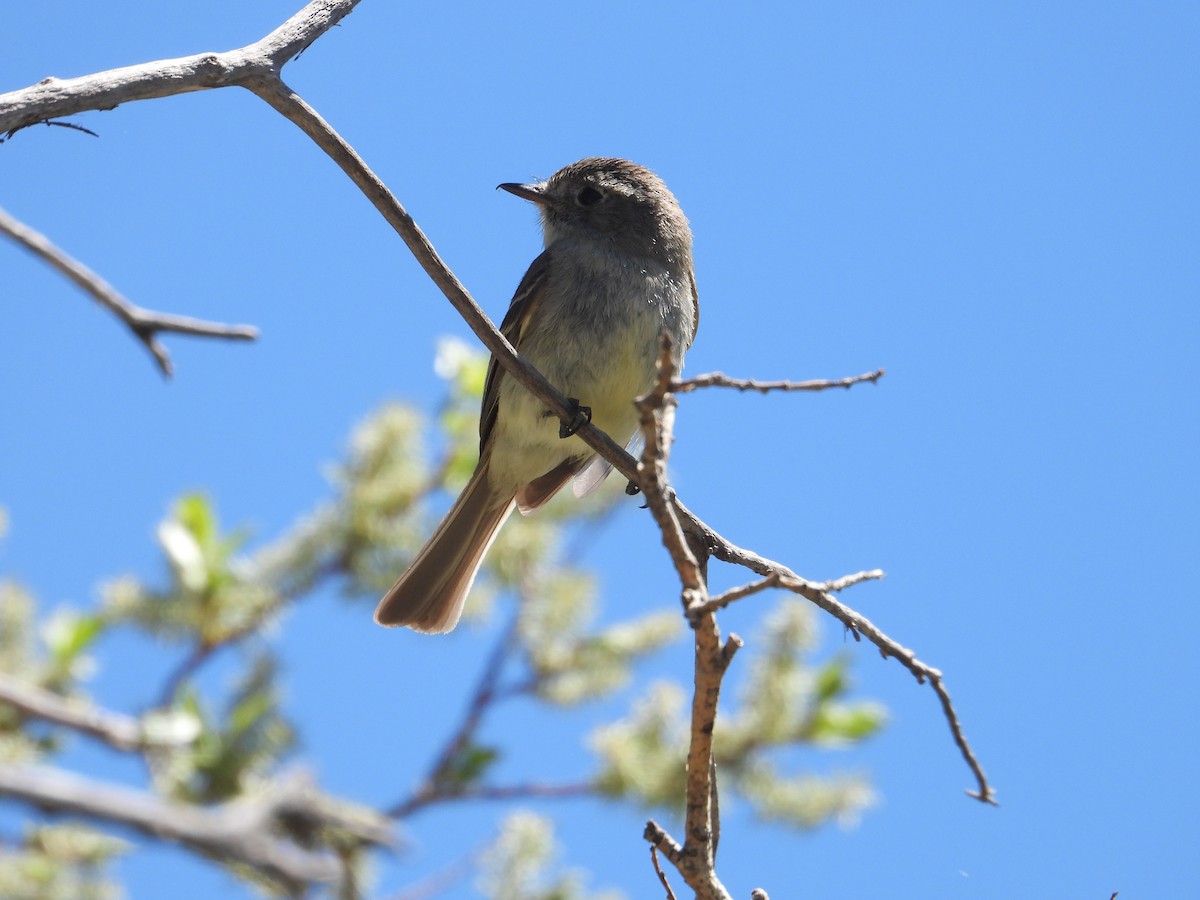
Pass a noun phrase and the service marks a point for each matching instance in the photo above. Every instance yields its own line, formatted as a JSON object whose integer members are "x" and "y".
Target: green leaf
{"x": 834, "y": 723}
{"x": 68, "y": 634}
{"x": 249, "y": 712}
{"x": 831, "y": 681}
{"x": 195, "y": 513}
{"x": 470, "y": 765}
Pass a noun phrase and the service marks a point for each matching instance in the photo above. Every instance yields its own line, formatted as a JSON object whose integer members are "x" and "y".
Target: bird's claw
{"x": 580, "y": 416}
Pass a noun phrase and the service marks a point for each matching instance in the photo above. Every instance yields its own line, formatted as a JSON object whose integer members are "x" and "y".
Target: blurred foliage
{"x": 570, "y": 661}
{"x": 222, "y": 590}
{"x": 59, "y": 862}
{"x": 209, "y": 599}
{"x": 234, "y": 750}
{"x": 51, "y": 657}
{"x": 520, "y": 865}
{"x": 783, "y": 701}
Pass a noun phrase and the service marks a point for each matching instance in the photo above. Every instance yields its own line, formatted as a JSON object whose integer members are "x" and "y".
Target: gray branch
{"x": 115, "y": 729}
{"x": 719, "y": 379}
{"x": 52, "y": 98}
{"x": 145, "y": 324}
{"x": 237, "y": 832}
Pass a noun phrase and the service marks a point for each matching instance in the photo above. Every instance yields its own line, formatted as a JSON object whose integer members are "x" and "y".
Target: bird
{"x": 615, "y": 272}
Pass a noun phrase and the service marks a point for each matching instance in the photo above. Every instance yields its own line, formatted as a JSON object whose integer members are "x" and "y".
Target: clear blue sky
{"x": 996, "y": 202}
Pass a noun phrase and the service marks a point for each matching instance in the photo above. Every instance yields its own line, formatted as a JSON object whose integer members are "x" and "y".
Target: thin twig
{"x": 71, "y": 126}
{"x": 840, "y": 584}
{"x": 719, "y": 379}
{"x": 859, "y": 625}
{"x": 187, "y": 667}
{"x": 144, "y": 324}
{"x": 732, "y": 595}
{"x": 435, "y": 785}
{"x": 778, "y": 580}
{"x": 662, "y": 876}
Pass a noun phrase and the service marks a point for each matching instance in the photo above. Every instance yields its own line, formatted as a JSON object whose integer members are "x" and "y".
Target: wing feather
{"x": 523, "y": 306}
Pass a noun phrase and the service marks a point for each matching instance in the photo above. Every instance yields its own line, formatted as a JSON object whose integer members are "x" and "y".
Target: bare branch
{"x": 656, "y": 413}
{"x": 667, "y": 845}
{"x": 54, "y": 98}
{"x": 778, "y": 580}
{"x": 145, "y": 324}
{"x": 734, "y": 594}
{"x": 662, "y": 876}
{"x": 696, "y": 861}
{"x": 859, "y": 625}
{"x": 840, "y": 584}
{"x": 719, "y": 379}
{"x": 115, "y": 729}
{"x": 239, "y": 831}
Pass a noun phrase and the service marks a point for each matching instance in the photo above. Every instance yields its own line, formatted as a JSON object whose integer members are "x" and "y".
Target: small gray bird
{"x": 616, "y": 270}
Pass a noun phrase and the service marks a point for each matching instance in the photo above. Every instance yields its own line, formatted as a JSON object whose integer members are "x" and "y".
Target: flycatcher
{"x": 616, "y": 270}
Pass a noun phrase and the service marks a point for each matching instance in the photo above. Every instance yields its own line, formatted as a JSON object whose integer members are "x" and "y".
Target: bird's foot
{"x": 580, "y": 416}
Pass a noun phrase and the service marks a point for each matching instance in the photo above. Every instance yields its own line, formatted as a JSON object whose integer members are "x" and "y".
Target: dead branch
{"x": 777, "y": 579}
{"x": 719, "y": 379}
{"x": 662, "y": 876}
{"x": 53, "y": 98}
{"x": 145, "y": 325}
{"x": 696, "y": 859}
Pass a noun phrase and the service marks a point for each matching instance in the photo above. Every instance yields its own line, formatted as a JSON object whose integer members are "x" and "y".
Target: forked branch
{"x": 145, "y": 325}
{"x": 53, "y": 98}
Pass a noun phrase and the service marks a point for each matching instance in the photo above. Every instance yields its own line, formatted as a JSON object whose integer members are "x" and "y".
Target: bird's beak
{"x": 531, "y": 192}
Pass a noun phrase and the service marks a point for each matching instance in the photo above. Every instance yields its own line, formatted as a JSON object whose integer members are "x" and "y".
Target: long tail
{"x": 429, "y": 596}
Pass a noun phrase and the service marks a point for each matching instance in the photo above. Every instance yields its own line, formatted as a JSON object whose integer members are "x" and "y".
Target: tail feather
{"x": 429, "y": 596}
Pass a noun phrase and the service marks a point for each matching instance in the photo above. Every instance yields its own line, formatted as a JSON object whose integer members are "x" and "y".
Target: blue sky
{"x": 998, "y": 203}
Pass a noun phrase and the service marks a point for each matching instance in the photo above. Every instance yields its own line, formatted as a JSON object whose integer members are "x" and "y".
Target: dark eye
{"x": 589, "y": 196}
